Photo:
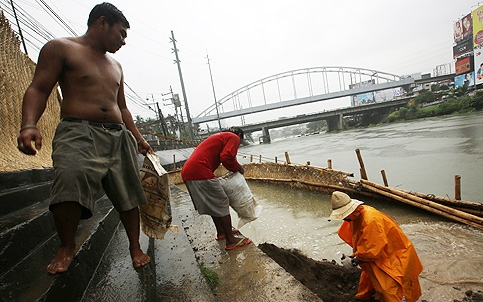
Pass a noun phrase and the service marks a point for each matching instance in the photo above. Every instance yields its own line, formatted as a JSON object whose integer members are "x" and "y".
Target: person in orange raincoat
{"x": 389, "y": 262}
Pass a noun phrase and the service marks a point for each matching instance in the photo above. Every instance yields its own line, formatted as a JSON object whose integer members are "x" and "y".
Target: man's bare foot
{"x": 139, "y": 258}
{"x": 61, "y": 261}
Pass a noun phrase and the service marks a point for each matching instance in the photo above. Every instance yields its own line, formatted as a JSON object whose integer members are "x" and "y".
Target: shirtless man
{"x": 95, "y": 143}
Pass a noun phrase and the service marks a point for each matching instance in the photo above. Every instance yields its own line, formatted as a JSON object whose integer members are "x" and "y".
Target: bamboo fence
{"x": 15, "y": 76}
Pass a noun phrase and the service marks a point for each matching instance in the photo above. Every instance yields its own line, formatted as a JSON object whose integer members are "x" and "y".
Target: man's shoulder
{"x": 61, "y": 43}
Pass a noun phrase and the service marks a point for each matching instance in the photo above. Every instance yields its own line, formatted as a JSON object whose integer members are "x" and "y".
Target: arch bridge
{"x": 305, "y": 86}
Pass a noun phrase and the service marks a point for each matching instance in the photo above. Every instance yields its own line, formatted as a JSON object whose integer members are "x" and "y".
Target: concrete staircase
{"x": 29, "y": 241}
{"x": 101, "y": 269}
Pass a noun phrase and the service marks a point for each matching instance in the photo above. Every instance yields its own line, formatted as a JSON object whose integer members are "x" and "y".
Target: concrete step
{"x": 23, "y": 231}
{"x": 172, "y": 275}
{"x": 27, "y": 279}
{"x": 20, "y": 197}
{"x": 9, "y": 180}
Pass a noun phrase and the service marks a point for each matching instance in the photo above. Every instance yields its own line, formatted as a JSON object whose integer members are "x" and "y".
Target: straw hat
{"x": 342, "y": 205}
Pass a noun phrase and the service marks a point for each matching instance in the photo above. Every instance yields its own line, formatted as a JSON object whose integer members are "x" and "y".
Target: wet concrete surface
{"x": 245, "y": 274}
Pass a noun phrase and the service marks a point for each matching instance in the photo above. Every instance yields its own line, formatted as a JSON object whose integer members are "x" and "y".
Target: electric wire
{"x": 35, "y": 33}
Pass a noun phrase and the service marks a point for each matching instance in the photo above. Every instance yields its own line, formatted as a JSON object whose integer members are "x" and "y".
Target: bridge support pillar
{"x": 265, "y": 139}
{"x": 335, "y": 123}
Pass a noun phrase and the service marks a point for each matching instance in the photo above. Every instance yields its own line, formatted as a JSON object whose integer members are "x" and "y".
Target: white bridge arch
{"x": 300, "y": 86}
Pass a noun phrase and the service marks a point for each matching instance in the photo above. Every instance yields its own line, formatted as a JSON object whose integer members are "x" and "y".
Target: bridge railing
{"x": 270, "y": 90}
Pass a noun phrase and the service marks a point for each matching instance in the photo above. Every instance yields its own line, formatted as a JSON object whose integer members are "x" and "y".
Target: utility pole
{"x": 18, "y": 25}
{"x": 214, "y": 95}
{"x": 164, "y": 127}
{"x": 190, "y": 123}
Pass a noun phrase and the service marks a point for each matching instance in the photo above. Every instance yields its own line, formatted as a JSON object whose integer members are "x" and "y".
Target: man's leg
{"x": 130, "y": 220}
{"x": 225, "y": 224}
{"x": 66, "y": 218}
{"x": 220, "y": 232}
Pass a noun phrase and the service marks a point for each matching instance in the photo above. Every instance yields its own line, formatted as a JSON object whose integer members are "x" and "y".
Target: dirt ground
{"x": 329, "y": 280}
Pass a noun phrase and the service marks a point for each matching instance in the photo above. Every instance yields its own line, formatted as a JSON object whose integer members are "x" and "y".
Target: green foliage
{"x": 448, "y": 107}
{"x": 425, "y": 97}
{"x": 427, "y": 112}
{"x": 402, "y": 113}
{"x": 477, "y": 101}
{"x": 210, "y": 276}
{"x": 393, "y": 117}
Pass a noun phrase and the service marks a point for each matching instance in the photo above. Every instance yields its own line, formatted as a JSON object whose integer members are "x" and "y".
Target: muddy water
{"x": 452, "y": 254}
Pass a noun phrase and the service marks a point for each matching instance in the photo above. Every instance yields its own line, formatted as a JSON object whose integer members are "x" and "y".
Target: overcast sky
{"x": 250, "y": 40}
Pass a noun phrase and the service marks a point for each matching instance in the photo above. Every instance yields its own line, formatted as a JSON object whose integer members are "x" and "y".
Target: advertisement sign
{"x": 477, "y": 18}
{"x": 363, "y": 99}
{"x": 463, "y": 36}
{"x": 462, "y": 48}
{"x": 466, "y": 80}
{"x": 458, "y": 31}
{"x": 478, "y": 61}
{"x": 464, "y": 65}
{"x": 467, "y": 25}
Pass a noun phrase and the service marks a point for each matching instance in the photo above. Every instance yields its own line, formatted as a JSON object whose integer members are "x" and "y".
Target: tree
{"x": 425, "y": 97}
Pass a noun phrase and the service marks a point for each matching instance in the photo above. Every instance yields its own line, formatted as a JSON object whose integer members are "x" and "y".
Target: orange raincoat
{"x": 391, "y": 265}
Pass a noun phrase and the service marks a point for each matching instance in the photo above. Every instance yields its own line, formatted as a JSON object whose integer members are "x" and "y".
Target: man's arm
{"x": 143, "y": 145}
{"x": 47, "y": 73}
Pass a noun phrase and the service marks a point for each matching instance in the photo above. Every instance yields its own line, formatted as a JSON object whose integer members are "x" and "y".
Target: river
{"x": 421, "y": 155}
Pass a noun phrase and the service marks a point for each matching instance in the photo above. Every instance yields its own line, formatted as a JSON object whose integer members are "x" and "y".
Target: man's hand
{"x": 346, "y": 262}
{"x": 144, "y": 147}
{"x": 25, "y": 139}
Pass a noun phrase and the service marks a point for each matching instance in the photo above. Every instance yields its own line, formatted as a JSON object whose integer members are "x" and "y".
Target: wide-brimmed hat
{"x": 342, "y": 205}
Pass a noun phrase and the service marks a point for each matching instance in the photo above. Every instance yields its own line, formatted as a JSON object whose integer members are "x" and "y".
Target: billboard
{"x": 363, "y": 99}
{"x": 478, "y": 61}
{"x": 477, "y": 18}
{"x": 463, "y": 35}
{"x": 464, "y": 65}
{"x": 464, "y": 80}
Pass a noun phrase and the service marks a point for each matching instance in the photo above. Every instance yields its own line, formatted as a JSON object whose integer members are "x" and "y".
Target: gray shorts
{"x": 209, "y": 197}
{"x": 89, "y": 158}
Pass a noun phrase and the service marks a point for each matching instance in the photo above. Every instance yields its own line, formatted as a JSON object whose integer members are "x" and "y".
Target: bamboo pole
{"x": 251, "y": 158}
{"x": 424, "y": 207}
{"x": 471, "y": 211}
{"x": 329, "y": 164}
{"x": 384, "y": 178}
{"x": 276, "y": 160}
{"x": 361, "y": 164}
{"x": 260, "y": 159}
{"x": 452, "y": 202}
{"x": 174, "y": 161}
{"x": 414, "y": 200}
{"x": 457, "y": 187}
{"x": 287, "y": 158}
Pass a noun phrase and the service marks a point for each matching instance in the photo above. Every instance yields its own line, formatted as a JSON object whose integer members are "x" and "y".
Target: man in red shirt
{"x": 205, "y": 189}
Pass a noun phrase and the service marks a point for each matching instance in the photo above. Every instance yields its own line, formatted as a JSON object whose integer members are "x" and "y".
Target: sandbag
{"x": 156, "y": 214}
{"x": 240, "y": 197}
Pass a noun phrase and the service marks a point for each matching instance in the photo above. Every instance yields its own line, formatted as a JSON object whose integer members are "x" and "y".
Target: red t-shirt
{"x": 218, "y": 148}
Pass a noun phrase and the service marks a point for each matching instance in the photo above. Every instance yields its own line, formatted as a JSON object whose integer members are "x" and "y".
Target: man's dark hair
{"x": 237, "y": 130}
{"x": 110, "y": 12}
